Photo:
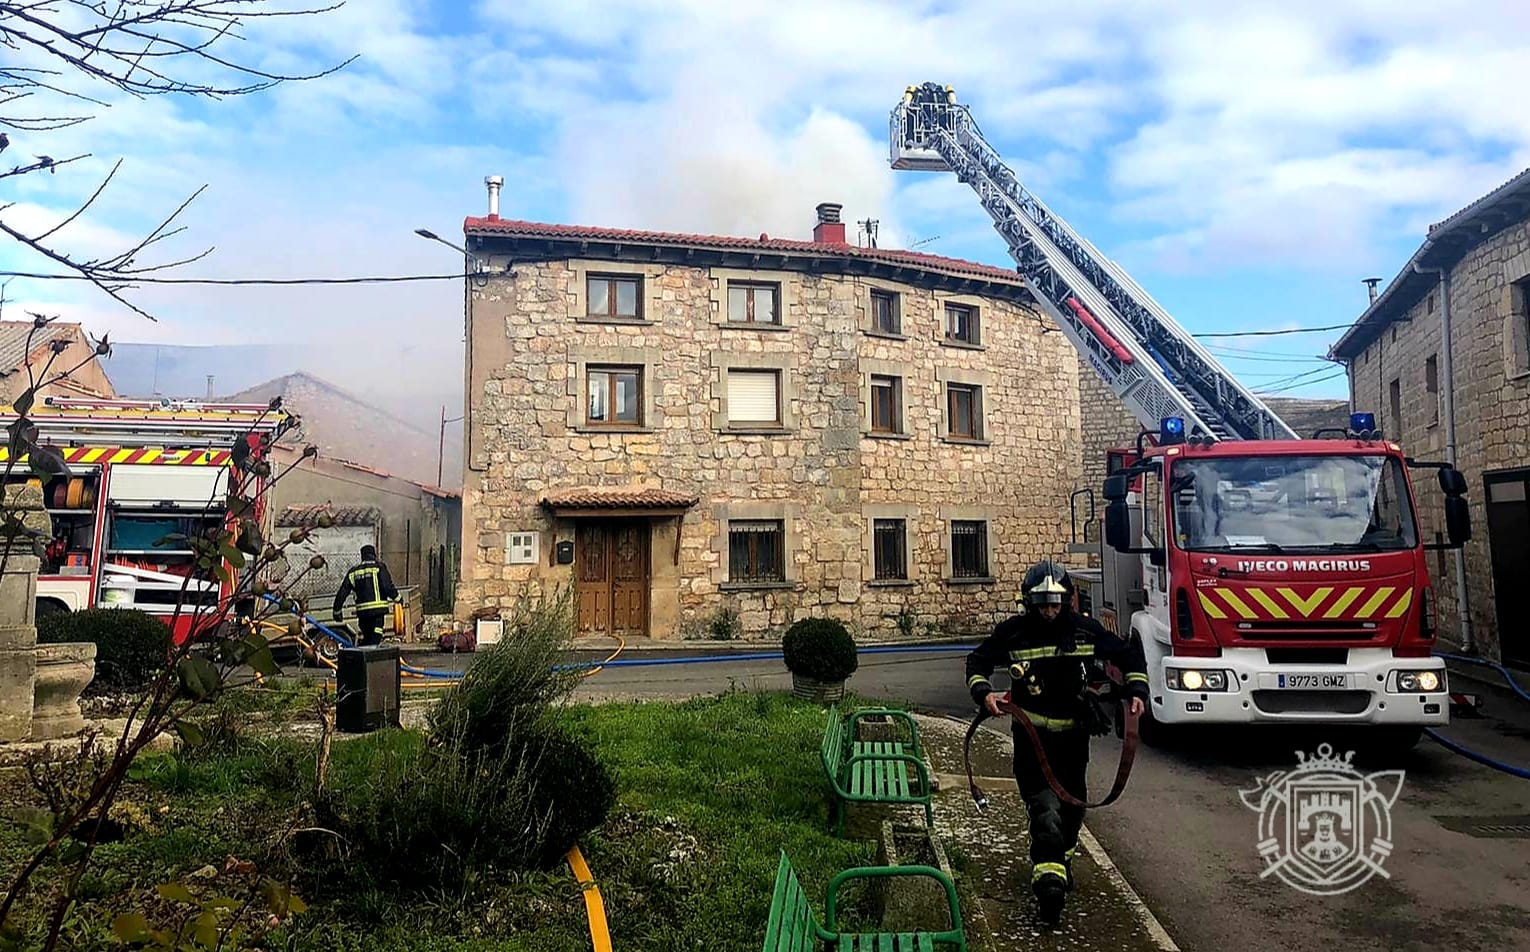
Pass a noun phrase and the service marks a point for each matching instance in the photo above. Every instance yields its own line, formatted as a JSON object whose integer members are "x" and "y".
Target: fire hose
{"x": 1123, "y": 770}
{"x": 1512, "y": 770}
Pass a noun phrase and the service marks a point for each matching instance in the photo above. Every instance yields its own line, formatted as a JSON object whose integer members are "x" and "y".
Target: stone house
{"x": 22, "y": 349}
{"x": 1472, "y": 275}
{"x": 687, "y": 424}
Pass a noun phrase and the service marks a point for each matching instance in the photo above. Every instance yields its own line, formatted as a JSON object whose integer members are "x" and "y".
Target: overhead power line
{"x": 1281, "y": 333}
{"x": 129, "y": 280}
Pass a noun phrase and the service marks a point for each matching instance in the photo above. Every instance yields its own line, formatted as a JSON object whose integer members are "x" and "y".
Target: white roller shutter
{"x": 753, "y": 397}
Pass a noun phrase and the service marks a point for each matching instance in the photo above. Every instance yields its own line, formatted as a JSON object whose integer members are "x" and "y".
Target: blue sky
{"x": 1248, "y": 165}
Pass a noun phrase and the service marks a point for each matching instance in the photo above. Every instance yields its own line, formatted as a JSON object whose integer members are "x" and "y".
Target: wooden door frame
{"x": 1489, "y": 480}
{"x": 607, "y": 527}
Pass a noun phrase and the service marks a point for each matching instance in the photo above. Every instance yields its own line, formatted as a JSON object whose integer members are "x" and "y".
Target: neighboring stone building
{"x": 1397, "y": 370}
{"x": 781, "y": 428}
{"x": 22, "y": 348}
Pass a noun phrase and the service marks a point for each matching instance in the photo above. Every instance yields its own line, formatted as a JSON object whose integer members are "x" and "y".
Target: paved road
{"x": 1184, "y": 840}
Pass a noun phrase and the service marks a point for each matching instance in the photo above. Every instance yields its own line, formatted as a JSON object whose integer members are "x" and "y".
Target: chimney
{"x": 829, "y": 230}
{"x": 209, "y": 386}
{"x": 1370, "y": 287}
{"x": 494, "y": 182}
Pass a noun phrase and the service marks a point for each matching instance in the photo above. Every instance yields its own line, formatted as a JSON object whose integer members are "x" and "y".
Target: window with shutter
{"x": 754, "y": 397}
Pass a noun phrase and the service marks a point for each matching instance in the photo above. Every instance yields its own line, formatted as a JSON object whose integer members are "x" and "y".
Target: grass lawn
{"x": 710, "y": 791}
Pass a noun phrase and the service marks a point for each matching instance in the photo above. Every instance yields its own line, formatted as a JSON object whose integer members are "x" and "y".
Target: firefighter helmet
{"x": 1046, "y": 583}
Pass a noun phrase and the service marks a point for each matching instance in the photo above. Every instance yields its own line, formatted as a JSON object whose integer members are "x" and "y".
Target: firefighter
{"x": 374, "y": 591}
{"x": 1047, "y": 648}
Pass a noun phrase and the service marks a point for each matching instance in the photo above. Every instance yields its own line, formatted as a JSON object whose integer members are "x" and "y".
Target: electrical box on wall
{"x": 522, "y": 548}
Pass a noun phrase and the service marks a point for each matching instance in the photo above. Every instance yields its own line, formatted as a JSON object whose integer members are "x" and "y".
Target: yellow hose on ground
{"x": 593, "y": 906}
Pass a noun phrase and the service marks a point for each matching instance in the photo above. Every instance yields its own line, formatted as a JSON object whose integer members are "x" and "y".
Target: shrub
{"x": 497, "y": 785}
{"x": 131, "y": 646}
{"x": 820, "y": 648}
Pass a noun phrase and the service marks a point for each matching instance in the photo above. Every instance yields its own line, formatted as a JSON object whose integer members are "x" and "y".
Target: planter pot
{"x": 824, "y": 692}
{"x": 63, "y": 671}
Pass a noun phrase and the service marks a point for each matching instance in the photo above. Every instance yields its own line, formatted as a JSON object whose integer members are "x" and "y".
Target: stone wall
{"x": 1492, "y": 405}
{"x": 824, "y": 473}
{"x": 1107, "y": 425}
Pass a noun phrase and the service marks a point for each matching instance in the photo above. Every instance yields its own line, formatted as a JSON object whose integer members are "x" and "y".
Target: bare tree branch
{"x": 139, "y": 47}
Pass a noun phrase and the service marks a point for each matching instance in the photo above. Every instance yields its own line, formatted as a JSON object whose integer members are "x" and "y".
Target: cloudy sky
{"x": 1247, "y": 166}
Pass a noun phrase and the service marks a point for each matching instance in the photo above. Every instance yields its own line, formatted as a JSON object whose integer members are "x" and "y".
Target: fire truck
{"x": 139, "y": 474}
{"x": 1270, "y": 578}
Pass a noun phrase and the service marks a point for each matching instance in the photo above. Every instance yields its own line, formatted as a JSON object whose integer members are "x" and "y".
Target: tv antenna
{"x": 868, "y": 229}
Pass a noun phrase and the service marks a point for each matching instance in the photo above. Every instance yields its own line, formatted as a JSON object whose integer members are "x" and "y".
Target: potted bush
{"x": 820, "y": 653}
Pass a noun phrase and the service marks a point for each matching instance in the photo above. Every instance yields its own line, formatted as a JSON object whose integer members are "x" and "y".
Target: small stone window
{"x": 615, "y": 396}
{"x": 615, "y": 297}
{"x": 964, "y": 411}
{"x": 1432, "y": 387}
{"x": 969, "y": 549}
{"x": 1394, "y": 393}
{"x": 962, "y": 324}
{"x": 1519, "y": 326}
{"x": 885, "y": 316}
{"x": 886, "y": 404}
{"x": 754, "y": 302}
{"x": 755, "y": 550}
{"x": 890, "y": 549}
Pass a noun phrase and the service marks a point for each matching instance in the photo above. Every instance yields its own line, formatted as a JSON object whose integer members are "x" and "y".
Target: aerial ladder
{"x": 1147, "y": 359}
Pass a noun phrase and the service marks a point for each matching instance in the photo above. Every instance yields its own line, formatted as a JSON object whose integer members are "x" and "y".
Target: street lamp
{"x": 479, "y": 265}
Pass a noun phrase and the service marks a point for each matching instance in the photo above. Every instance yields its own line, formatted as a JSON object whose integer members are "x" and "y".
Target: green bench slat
{"x": 879, "y": 779}
{"x": 875, "y": 942}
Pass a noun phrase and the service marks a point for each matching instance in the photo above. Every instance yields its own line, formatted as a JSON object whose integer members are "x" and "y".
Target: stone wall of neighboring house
{"x": 1399, "y": 377}
{"x": 823, "y": 473}
{"x": 1108, "y": 424}
{"x": 415, "y": 519}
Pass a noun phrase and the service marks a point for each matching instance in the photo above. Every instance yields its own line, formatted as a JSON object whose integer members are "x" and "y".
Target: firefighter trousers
{"x": 371, "y": 623}
{"x": 1054, "y": 824}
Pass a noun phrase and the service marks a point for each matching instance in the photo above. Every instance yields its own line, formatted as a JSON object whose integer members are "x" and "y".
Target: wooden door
{"x": 1508, "y": 515}
{"x": 612, "y": 561}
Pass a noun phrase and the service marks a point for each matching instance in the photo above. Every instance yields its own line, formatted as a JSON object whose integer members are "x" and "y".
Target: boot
{"x": 1051, "y": 893}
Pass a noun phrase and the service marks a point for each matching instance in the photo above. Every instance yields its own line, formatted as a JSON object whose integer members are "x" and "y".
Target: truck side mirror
{"x": 1458, "y": 518}
{"x": 1116, "y": 488}
{"x": 1118, "y": 523}
{"x": 1452, "y": 483}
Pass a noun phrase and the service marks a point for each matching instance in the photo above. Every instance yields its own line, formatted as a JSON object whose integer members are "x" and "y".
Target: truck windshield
{"x": 1291, "y": 503}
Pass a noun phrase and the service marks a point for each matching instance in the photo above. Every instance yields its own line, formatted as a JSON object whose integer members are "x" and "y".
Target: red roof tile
{"x": 617, "y": 497}
{"x": 914, "y": 259}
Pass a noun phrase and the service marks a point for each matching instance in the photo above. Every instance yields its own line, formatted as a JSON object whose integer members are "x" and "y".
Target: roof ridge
{"x": 765, "y": 242}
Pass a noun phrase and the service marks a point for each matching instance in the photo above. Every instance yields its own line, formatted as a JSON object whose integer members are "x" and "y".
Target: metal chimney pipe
{"x": 494, "y": 182}
{"x": 1370, "y": 287}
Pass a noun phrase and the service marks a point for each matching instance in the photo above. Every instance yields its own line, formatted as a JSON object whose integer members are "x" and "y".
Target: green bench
{"x": 792, "y": 928}
{"x": 862, "y": 771}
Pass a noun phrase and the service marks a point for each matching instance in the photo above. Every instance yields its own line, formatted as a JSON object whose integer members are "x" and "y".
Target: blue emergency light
{"x": 1362, "y": 422}
{"x": 1172, "y": 430}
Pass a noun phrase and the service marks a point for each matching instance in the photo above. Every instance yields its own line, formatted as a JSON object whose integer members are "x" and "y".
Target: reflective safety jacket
{"x": 372, "y": 585}
{"x": 1048, "y": 665}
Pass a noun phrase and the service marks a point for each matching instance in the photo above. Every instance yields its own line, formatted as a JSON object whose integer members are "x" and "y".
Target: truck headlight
{"x": 1412, "y": 682}
{"x": 1195, "y": 679}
